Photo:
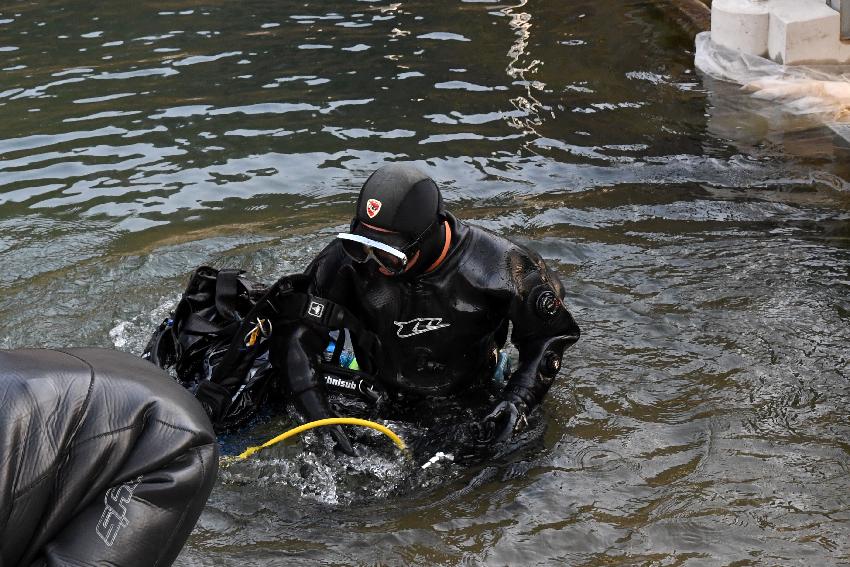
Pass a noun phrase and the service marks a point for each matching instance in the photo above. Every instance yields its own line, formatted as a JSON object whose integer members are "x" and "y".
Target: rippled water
{"x": 701, "y": 420}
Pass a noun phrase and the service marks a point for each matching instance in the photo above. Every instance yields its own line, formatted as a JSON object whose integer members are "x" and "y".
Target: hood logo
{"x": 418, "y": 326}
{"x": 373, "y": 207}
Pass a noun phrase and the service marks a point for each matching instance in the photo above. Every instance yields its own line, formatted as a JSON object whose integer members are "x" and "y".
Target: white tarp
{"x": 822, "y": 93}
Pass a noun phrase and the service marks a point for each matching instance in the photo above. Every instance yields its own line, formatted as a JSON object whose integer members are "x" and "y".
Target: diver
{"x": 441, "y": 295}
{"x": 104, "y": 460}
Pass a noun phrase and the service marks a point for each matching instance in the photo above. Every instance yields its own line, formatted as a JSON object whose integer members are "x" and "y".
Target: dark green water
{"x": 701, "y": 420}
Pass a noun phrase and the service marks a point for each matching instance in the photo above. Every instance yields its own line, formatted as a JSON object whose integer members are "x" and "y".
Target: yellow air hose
{"x": 329, "y": 421}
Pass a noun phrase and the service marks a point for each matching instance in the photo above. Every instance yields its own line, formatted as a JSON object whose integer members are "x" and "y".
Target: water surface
{"x": 701, "y": 420}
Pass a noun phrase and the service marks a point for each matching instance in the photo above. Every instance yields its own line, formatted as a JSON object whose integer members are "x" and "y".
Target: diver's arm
{"x": 294, "y": 354}
{"x": 295, "y": 351}
{"x": 542, "y": 329}
{"x": 539, "y": 363}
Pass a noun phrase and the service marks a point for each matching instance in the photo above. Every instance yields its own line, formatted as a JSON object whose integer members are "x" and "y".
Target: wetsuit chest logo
{"x": 373, "y": 207}
{"x": 418, "y": 326}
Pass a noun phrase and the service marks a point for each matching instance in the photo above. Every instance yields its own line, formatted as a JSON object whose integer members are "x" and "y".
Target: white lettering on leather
{"x": 114, "y": 516}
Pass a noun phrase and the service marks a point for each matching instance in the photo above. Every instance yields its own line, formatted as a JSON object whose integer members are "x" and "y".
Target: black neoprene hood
{"x": 400, "y": 198}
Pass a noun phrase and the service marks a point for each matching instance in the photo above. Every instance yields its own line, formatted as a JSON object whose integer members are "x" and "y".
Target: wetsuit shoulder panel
{"x": 103, "y": 459}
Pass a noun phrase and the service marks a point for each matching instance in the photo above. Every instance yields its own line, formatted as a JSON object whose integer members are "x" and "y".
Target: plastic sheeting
{"x": 822, "y": 93}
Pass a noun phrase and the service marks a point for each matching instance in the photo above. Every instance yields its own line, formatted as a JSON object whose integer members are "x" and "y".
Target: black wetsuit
{"x": 440, "y": 330}
{"x": 104, "y": 460}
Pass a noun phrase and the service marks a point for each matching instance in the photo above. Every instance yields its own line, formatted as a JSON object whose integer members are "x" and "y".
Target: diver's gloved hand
{"x": 507, "y": 418}
{"x": 315, "y": 406}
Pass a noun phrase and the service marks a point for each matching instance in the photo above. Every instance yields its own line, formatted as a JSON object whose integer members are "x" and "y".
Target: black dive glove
{"x": 507, "y": 418}
{"x": 315, "y": 406}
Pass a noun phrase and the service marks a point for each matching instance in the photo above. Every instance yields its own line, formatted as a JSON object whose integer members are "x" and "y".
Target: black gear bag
{"x": 216, "y": 341}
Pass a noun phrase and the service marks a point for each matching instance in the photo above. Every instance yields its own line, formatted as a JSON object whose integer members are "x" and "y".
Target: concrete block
{"x": 844, "y": 52}
{"x": 742, "y": 25}
{"x": 803, "y": 31}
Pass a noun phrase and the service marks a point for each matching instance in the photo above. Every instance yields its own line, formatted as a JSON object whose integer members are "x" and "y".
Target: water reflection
{"x": 701, "y": 419}
{"x": 521, "y": 70}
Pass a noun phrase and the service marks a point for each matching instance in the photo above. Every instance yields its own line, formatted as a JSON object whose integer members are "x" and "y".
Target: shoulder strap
{"x": 226, "y": 292}
{"x": 194, "y": 324}
{"x": 239, "y": 356}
